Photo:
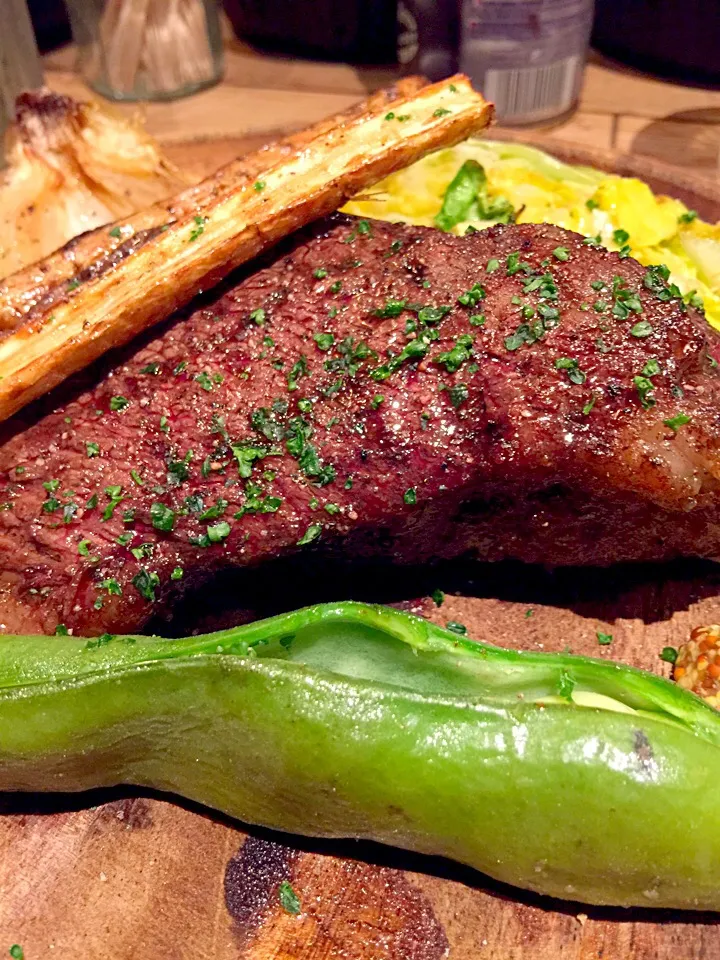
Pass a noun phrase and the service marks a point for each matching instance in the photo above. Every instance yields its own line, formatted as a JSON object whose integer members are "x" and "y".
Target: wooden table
{"x": 131, "y": 877}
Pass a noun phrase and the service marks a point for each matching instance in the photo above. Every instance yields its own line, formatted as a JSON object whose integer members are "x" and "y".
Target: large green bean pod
{"x": 569, "y": 776}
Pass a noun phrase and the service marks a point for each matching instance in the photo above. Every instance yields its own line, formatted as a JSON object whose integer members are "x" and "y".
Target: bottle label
{"x": 526, "y": 56}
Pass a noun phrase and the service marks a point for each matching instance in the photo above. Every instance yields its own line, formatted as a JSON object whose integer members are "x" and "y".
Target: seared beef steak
{"x": 377, "y": 390}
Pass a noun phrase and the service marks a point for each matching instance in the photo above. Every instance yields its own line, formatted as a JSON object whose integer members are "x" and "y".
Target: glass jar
{"x": 147, "y": 49}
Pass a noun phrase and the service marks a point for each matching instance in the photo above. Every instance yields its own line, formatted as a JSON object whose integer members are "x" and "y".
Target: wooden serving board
{"x": 129, "y": 877}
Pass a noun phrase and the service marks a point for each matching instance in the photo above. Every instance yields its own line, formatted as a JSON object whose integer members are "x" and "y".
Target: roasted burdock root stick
{"x": 555, "y": 773}
{"x": 166, "y": 266}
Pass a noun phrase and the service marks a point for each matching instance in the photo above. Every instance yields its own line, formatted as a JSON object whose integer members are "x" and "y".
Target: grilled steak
{"x": 376, "y": 390}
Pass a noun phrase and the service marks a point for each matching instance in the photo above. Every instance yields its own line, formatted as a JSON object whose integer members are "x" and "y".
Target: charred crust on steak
{"x": 296, "y": 407}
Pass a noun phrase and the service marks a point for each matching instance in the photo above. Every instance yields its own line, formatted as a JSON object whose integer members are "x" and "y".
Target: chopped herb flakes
{"x": 177, "y": 573}
{"x": 457, "y": 394}
{"x": 162, "y": 517}
{"x": 561, "y": 253}
{"x": 198, "y": 229}
{"x": 289, "y": 900}
{"x": 324, "y": 341}
{"x": 440, "y": 112}
{"x": 151, "y": 368}
{"x": 410, "y": 496}
{"x": 312, "y": 533}
{"x": 145, "y": 582}
{"x": 299, "y": 369}
{"x": 456, "y": 627}
{"x": 453, "y": 359}
{"x": 669, "y": 654}
{"x": 574, "y": 374}
{"x": 641, "y": 329}
{"x": 678, "y": 421}
{"x": 438, "y": 597}
{"x": 604, "y": 639}
{"x": 258, "y": 316}
{"x": 119, "y": 403}
{"x": 92, "y": 449}
{"x": 259, "y": 186}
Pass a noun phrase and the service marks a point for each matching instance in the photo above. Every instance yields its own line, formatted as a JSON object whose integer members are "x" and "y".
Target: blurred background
{"x": 636, "y": 76}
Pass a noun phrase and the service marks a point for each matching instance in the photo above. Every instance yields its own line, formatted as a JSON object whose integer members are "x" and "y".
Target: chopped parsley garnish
{"x": 204, "y": 380}
{"x": 588, "y": 406}
{"x": 331, "y": 508}
{"x": 335, "y": 287}
{"x": 320, "y": 273}
{"x": 145, "y": 582}
{"x": 598, "y": 285}
{"x": 592, "y": 204}
{"x": 561, "y": 253}
{"x": 60, "y": 631}
{"x": 312, "y": 533}
{"x": 604, "y": 639}
{"x": 119, "y": 403}
{"x": 392, "y": 308}
{"x": 177, "y": 573}
{"x": 440, "y": 112}
{"x": 258, "y": 316}
{"x": 324, "y": 341}
{"x": 655, "y": 280}
{"x": 453, "y": 359}
{"x": 438, "y": 597}
{"x": 112, "y": 587}
{"x": 198, "y": 229}
{"x": 179, "y": 470}
{"x": 259, "y": 186}
{"x": 471, "y": 297}
{"x": 645, "y": 387}
{"x": 246, "y": 454}
{"x": 457, "y": 394}
{"x": 180, "y": 368}
{"x": 678, "y": 421}
{"x": 492, "y": 265}
{"x": 669, "y": 654}
{"x": 115, "y": 233}
{"x": 299, "y": 369}
{"x": 84, "y": 548}
{"x": 456, "y": 627}
{"x": 651, "y": 368}
{"x": 410, "y": 496}
{"x": 377, "y": 400}
{"x": 688, "y": 216}
{"x": 566, "y": 685}
{"x": 477, "y": 320}
{"x": 152, "y": 368}
{"x": 289, "y": 900}
{"x": 115, "y": 495}
{"x": 215, "y": 511}
{"x": 574, "y": 373}
{"x": 620, "y": 237}
{"x": 415, "y": 350}
{"x": 641, "y": 329}
{"x": 162, "y": 517}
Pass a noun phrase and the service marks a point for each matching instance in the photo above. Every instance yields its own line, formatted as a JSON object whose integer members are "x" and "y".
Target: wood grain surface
{"x": 126, "y": 877}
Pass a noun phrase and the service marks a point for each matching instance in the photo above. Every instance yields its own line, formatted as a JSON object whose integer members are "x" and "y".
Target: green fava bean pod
{"x": 573, "y": 777}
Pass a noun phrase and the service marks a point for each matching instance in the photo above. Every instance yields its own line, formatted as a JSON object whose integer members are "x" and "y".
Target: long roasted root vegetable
{"x": 168, "y": 266}
{"x": 561, "y": 774}
{"x": 95, "y": 250}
